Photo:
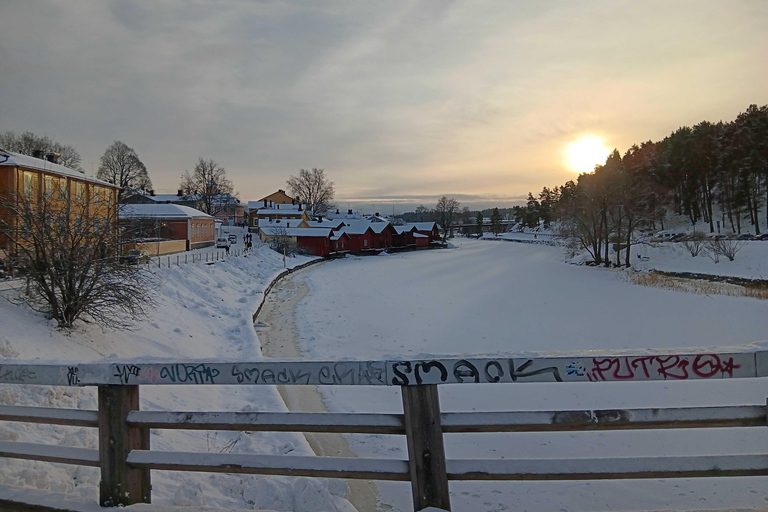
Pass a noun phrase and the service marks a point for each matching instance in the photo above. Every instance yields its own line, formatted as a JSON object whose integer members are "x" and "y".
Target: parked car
{"x": 744, "y": 236}
{"x": 232, "y": 239}
{"x": 135, "y": 256}
{"x": 764, "y": 236}
{"x": 222, "y": 242}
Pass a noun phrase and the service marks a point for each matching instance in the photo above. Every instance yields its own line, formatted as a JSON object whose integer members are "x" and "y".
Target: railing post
{"x": 426, "y": 451}
{"x": 120, "y": 485}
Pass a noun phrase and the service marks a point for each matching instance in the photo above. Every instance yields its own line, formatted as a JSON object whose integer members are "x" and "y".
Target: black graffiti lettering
{"x": 427, "y": 367}
{"x": 267, "y": 376}
{"x": 499, "y": 373}
{"x": 124, "y": 372}
{"x": 370, "y": 374}
{"x": 400, "y": 379}
{"x": 463, "y": 369}
{"x": 341, "y": 371}
{"x": 298, "y": 375}
{"x": 518, "y": 373}
{"x": 236, "y": 373}
{"x": 282, "y": 376}
{"x": 252, "y": 374}
{"x": 72, "y": 375}
{"x": 199, "y": 374}
{"x": 325, "y": 373}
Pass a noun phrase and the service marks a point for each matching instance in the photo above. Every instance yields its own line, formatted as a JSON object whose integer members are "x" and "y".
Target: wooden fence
{"x": 125, "y": 457}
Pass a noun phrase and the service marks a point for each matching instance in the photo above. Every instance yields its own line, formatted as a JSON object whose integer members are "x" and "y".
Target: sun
{"x": 582, "y": 155}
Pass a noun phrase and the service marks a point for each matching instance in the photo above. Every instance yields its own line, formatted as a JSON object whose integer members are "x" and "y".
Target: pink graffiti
{"x": 704, "y": 366}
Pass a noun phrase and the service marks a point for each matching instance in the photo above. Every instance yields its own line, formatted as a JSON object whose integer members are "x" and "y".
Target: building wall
{"x": 83, "y": 197}
{"x": 202, "y": 233}
{"x": 315, "y": 245}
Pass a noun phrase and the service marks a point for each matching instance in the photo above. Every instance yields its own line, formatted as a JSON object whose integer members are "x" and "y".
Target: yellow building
{"x": 24, "y": 177}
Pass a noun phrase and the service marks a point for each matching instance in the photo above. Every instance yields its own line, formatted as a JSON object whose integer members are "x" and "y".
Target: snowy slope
{"x": 203, "y": 311}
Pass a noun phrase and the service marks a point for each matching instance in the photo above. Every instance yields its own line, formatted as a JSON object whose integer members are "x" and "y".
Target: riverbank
{"x": 276, "y": 329}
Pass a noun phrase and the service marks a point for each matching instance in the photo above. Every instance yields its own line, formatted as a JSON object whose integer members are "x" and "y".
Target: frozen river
{"x": 496, "y": 298}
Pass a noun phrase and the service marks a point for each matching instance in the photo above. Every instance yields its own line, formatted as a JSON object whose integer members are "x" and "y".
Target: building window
{"x": 63, "y": 192}
{"x": 29, "y": 184}
{"x": 49, "y": 187}
{"x": 79, "y": 191}
{"x": 365, "y": 243}
{"x": 96, "y": 194}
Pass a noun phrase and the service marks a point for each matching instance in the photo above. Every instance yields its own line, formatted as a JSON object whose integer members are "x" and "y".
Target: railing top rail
{"x": 584, "y": 367}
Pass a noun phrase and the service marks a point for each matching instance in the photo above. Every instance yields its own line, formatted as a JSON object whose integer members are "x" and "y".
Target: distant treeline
{"x": 713, "y": 172}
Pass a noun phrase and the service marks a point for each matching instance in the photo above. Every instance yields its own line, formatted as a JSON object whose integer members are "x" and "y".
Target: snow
{"x": 166, "y": 211}
{"x": 480, "y": 298}
{"x": 203, "y": 311}
{"x": 494, "y": 298}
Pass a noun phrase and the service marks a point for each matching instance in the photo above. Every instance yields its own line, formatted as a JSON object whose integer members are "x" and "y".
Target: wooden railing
{"x": 125, "y": 457}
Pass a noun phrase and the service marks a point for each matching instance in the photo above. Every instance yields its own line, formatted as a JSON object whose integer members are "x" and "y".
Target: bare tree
{"x": 209, "y": 183}
{"x": 695, "y": 243}
{"x": 121, "y": 165}
{"x": 446, "y": 212}
{"x": 68, "y": 258}
{"x": 283, "y": 243}
{"x": 27, "y": 143}
{"x": 314, "y": 188}
{"x": 725, "y": 247}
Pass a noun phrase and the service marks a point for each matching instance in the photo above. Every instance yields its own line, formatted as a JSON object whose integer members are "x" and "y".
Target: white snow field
{"x": 495, "y": 298}
{"x": 483, "y": 297}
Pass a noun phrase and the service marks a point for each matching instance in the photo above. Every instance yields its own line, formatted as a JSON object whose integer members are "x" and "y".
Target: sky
{"x": 400, "y": 102}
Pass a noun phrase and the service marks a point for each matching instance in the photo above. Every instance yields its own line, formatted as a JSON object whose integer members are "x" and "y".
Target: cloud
{"x": 393, "y": 99}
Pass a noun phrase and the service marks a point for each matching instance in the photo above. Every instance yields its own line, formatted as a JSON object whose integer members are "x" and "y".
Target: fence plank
{"x": 71, "y": 417}
{"x": 49, "y": 453}
{"x": 606, "y": 419}
{"x": 120, "y": 484}
{"x": 426, "y": 453}
{"x": 325, "y": 467}
{"x": 271, "y": 421}
{"x": 608, "y": 468}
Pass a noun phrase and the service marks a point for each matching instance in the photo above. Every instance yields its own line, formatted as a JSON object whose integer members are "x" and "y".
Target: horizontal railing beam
{"x": 606, "y": 419}
{"x": 323, "y": 467}
{"x": 668, "y": 365}
{"x": 270, "y": 422}
{"x": 50, "y": 453}
{"x": 608, "y": 468}
{"x": 70, "y": 417}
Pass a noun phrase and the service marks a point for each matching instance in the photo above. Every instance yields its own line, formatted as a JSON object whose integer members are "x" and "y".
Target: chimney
{"x": 300, "y": 207}
{"x": 52, "y": 157}
{"x": 179, "y": 193}
{"x": 265, "y": 203}
{"x": 376, "y": 214}
{"x": 337, "y": 211}
{"x": 278, "y": 206}
{"x": 38, "y": 153}
{"x": 293, "y": 201}
{"x": 349, "y": 212}
{"x": 152, "y": 193}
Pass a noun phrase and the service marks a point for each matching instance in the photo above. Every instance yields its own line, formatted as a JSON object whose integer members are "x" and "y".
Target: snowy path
{"x": 502, "y": 298}
{"x": 278, "y": 340}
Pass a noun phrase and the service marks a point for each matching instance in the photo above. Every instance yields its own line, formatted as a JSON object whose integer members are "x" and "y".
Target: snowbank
{"x": 203, "y": 311}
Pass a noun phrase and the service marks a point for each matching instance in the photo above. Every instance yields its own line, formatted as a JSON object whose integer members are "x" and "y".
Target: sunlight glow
{"x": 583, "y": 154}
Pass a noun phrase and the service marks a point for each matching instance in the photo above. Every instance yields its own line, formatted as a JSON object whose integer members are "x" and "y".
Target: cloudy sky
{"x": 399, "y": 101}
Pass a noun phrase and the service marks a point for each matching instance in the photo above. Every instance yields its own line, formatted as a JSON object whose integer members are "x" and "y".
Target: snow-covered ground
{"x": 486, "y": 297}
{"x": 203, "y": 311}
{"x": 481, "y": 297}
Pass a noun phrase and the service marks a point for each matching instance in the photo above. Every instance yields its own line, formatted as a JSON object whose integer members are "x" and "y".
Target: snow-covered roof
{"x": 30, "y": 162}
{"x": 402, "y": 229}
{"x": 327, "y": 223}
{"x": 279, "y": 231}
{"x": 163, "y": 211}
{"x": 422, "y": 226}
{"x": 419, "y": 235}
{"x": 356, "y": 227}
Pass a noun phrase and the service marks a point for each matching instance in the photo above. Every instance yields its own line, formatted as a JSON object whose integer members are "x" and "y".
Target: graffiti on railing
{"x": 702, "y": 366}
{"x": 395, "y": 373}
